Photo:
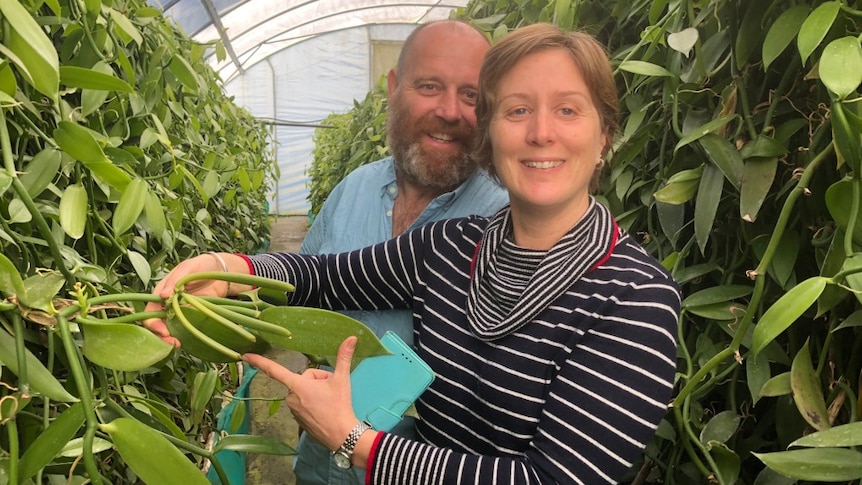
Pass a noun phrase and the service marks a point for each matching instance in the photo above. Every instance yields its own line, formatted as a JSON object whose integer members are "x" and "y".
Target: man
{"x": 430, "y": 128}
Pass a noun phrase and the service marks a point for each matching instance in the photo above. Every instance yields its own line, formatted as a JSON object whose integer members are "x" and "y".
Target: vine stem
{"x": 44, "y": 230}
{"x": 245, "y": 279}
{"x": 760, "y": 278}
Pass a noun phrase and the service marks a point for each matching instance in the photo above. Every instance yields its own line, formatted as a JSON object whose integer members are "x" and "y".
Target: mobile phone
{"x": 385, "y": 386}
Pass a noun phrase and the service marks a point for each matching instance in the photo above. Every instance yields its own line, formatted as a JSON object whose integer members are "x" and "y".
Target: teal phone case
{"x": 385, "y": 386}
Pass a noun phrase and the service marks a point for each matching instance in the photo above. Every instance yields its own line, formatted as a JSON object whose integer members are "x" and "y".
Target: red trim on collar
{"x": 604, "y": 259}
{"x": 475, "y": 257}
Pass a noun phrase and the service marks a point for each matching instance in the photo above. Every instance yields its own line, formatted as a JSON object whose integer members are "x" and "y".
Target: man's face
{"x": 432, "y": 122}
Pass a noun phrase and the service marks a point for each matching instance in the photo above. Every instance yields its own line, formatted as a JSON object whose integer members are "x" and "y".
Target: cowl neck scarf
{"x": 586, "y": 246}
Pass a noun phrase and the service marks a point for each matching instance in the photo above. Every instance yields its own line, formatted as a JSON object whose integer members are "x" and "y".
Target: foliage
{"x": 738, "y": 165}
{"x": 121, "y": 156}
{"x": 347, "y": 141}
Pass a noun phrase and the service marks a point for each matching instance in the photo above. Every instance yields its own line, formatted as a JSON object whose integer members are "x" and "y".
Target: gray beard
{"x": 448, "y": 175}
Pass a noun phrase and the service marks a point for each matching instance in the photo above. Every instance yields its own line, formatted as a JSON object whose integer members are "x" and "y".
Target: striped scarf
{"x": 585, "y": 247}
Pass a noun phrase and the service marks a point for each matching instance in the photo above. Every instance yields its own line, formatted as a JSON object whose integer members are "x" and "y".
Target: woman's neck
{"x": 542, "y": 228}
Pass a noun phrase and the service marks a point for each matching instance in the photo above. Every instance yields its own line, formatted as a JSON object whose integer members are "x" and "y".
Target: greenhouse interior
{"x": 642, "y": 266}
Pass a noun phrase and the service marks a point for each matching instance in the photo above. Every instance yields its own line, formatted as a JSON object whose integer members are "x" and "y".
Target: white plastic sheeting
{"x": 296, "y": 61}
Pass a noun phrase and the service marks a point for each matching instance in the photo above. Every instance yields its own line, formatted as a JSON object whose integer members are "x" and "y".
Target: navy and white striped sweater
{"x": 571, "y": 396}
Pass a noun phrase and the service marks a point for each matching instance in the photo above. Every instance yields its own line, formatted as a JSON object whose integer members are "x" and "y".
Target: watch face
{"x": 341, "y": 460}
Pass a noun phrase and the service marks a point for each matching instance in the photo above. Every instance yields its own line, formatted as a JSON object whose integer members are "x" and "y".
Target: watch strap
{"x": 353, "y": 437}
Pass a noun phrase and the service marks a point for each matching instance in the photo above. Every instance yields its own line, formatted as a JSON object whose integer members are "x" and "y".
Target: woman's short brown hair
{"x": 588, "y": 55}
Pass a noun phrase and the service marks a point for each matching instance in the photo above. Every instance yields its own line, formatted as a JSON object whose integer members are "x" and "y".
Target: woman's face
{"x": 546, "y": 134}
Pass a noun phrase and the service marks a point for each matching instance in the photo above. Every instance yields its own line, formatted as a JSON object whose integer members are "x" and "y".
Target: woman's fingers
{"x": 272, "y": 368}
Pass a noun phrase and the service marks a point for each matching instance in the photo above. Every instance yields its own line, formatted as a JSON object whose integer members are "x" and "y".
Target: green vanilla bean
{"x": 213, "y": 312}
{"x": 245, "y": 279}
{"x": 249, "y": 312}
{"x": 258, "y": 305}
{"x": 178, "y": 311}
{"x": 261, "y": 325}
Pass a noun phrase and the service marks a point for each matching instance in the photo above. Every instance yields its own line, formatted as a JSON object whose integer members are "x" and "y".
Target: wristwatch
{"x": 344, "y": 453}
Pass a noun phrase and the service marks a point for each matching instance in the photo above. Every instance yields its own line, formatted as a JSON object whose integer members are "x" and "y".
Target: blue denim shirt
{"x": 358, "y": 213}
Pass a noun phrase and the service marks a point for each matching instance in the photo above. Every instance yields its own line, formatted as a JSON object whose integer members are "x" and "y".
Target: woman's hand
{"x": 319, "y": 400}
{"x": 204, "y": 262}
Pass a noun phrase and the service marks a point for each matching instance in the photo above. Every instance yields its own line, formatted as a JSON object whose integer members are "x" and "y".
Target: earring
{"x": 601, "y": 164}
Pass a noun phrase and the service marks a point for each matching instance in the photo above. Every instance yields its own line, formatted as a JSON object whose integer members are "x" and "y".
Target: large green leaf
{"x": 38, "y": 376}
{"x": 150, "y": 455}
{"x": 720, "y": 428}
{"x": 80, "y": 77}
{"x": 79, "y": 142}
{"x": 846, "y": 138}
{"x": 319, "y": 332}
{"x": 817, "y": 464}
{"x": 131, "y": 205}
{"x": 41, "y": 170}
{"x": 725, "y": 156}
{"x": 51, "y": 441}
{"x": 681, "y": 187}
{"x": 703, "y": 130}
{"x": 645, "y": 68}
{"x": 843, "y": 435}
{"x": 706, "y": 206}
{"x": 816, "y": 26}
{"x": 839, "y": 198}
{"x": 73, "y": 210}
{"x": 716, "y": 294}
{"x": 806, "y": 390}
{"x": 841, "y": 66}
{"x": 253, "y": 444}
{"x": 41, "y": 289}
{"x": 11, "y": 282}
{"x": 782, "y": 32}
{"x": 34, "y": 51}
{"x": 123, "y": 346}
{"x": 758, "y": 175}
{"x": 786, "y": 310}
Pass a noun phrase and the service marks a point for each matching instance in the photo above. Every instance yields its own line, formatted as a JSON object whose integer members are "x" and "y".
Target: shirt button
{"x": 391, "y": 190}
{"x": 388, "y": 213}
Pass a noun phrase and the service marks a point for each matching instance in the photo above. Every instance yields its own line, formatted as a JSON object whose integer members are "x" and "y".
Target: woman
{"x": 550, "y": 331}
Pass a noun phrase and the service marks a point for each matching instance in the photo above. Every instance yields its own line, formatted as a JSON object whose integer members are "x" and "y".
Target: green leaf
{"x": 757, "y": 374}
{"x": 839, "y": 196}
{"x": 34, "y": 51}
{"x": 841, "y": 66}
{"x": 852, "y": 320}
{"x": 706, "y": 206}
{"x": 727, "y": 461}
{"x": 757, "y": 177}
{"x": 782, "y": 32}
{"x": 680, "y": 188}
{"x": 39, "y": 378}
{"x": 8, "y": 83}
{"x": 141, "y": 265}
{"x": 817, "y": 464}
{"x": 720, "y": 428}
{"x": 124, "y": 27}
{"x": 51, "y": 441}
{"x": 41, "y": 170}
{"x": 725, "y": 156}
{"x": 717, "y": 294}
{"x": 786, "y": 310}
{"x": 150, "y": 455}
{"x": 703, "y": 130}
{"x": 130, "y": 206}
{"x": 319, "y": 332}
{"x": 806, "y": 390}
{"x": 846, "y": 139}
{"x": 80, "y": 77}
{"x": 777, "y": 386}
{"x": 5, "y": 181}
{"x": 11, "y": 282}
{"x": 816, "y": 26}
{"x": 750, "y": 32}
{"x": 253, "y": 444}
{"x": 763, "y": 147}
{"x": 18, "y": 212}
{"x": 78, "y": 142}
{"x": 123, "y": 346}
{"x": 202, "y": 390}
{"x": 185, "y": 73}
{"x": 73, "y": 210}
{"x": 844, "y": 435}
{"x": 645, "y": 68}
{"x": 157, "y": 224}
{"x": 41, "y": 289}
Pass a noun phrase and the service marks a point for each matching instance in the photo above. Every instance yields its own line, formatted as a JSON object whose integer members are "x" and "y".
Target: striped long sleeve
{"x": 571, "y": 396}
